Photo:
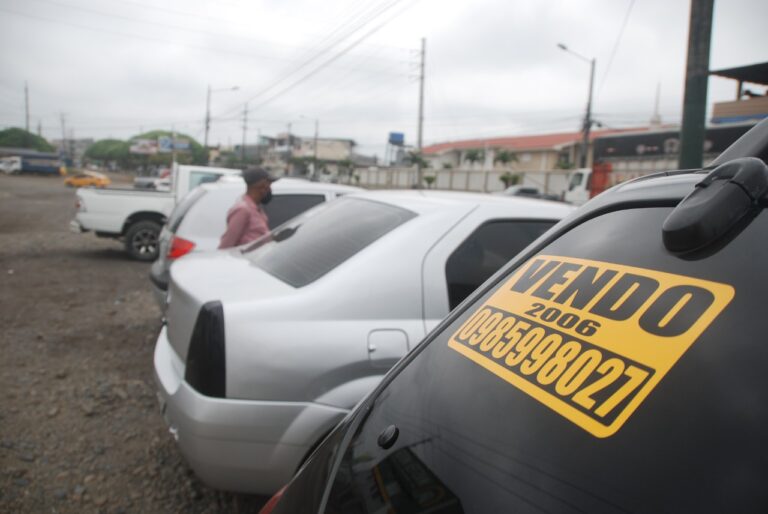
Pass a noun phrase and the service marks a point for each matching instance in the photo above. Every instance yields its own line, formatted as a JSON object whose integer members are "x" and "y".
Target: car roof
{"x": 285, "y": 184}
{"x": 423, "y": 201}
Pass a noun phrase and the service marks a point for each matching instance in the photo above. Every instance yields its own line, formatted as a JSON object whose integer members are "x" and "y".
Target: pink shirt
{"x": 246, "y": 221}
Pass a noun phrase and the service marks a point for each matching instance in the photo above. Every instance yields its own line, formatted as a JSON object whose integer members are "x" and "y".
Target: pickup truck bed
{"x": 137, "y": 215}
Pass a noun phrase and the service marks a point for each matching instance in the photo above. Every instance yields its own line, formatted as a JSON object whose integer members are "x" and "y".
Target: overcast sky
{"x": 113, "y": 68}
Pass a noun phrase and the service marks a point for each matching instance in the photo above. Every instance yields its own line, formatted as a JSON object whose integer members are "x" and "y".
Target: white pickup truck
{"x": 137, "y": 215}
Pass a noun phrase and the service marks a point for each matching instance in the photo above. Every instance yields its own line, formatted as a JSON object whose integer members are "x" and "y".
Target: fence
{"x": 549, "y": 181}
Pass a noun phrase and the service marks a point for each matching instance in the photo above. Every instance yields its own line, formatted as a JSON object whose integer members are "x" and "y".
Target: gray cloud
{"x": 492, "y": 66}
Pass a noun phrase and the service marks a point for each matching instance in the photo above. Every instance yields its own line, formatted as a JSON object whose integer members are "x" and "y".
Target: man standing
{"x": 246, "y": 220}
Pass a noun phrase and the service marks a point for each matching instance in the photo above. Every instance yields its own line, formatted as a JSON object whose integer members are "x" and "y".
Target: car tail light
{"x": 79, "y": 204}
{"x": 180, "y": 247}
{"x": 272, "y": 503}
{"x": 206, "y": 359}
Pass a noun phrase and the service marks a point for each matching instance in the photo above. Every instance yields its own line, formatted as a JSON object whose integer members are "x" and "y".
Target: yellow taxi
{"x": 86, "y": 179}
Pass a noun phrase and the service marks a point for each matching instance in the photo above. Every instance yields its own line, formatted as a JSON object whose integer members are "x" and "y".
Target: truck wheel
{"x": 142, "y": 240}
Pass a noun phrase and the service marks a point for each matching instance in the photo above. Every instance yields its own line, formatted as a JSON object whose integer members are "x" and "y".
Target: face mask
{"x": 267, "y": 198}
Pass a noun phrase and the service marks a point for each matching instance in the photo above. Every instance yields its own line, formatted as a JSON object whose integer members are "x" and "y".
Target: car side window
{"x": 200, "y": 177}
{"x": 486, "y": 250}
{"x": 284, "y": 207}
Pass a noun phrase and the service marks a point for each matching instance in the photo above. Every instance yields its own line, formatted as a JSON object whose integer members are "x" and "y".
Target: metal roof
{"x": 754, "y": 73}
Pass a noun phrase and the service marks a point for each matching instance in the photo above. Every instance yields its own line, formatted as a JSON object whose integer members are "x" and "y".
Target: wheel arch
{"x": 136, "y": 217}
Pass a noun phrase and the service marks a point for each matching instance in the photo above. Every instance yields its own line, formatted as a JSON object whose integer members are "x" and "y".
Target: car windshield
{"x": 306, "y": 248}
{"x": 602, "y": 375}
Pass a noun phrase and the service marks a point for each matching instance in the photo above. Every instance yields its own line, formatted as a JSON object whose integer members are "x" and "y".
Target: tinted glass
{"x": 502, "y": 424}
{"x": 284, "y": 207}
{"x": 311, "y": 245}
{"x": 182, "y": 208}
{"x": 200, "y": 177}
{"x": 486, "y": 250}
{"x": 576, "y": 179}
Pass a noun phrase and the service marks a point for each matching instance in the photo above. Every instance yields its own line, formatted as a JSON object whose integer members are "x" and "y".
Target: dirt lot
{"x": 80, "y": 428}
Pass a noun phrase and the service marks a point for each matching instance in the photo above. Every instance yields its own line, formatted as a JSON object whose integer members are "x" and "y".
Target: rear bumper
{"x": 159, "y": 280}
{"x": 76, "y": 227}
{"x": 237, "y": 445}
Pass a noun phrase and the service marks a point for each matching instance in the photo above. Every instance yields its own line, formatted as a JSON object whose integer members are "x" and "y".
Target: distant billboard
{"x": 396, "y": 138}
{"x": 144, "y": 146}
{"x": 166, "y": 144}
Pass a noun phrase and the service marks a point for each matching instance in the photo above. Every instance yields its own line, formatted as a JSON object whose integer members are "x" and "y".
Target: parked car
{"x": 136, "y": 216}
{"x": 199, "y": 220}
{"x": 616, "y": 365}
{"x": 87, "y": 179}
{"x": 269, "y": 345}
{"x": 527, "y": 191}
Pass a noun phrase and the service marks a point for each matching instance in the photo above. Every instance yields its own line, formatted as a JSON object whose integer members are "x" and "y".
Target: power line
{"x": 331, "y": 60}
{"x": 348, "y": 31}
{"x": 155, "y": 23}
{"x": 347, "y": 28}
{"x": 616, "y": 45}
{"x": 137, "y": 36}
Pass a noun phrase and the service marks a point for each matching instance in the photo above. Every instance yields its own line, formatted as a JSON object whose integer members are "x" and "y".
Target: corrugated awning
{"x": 754, "y": 73}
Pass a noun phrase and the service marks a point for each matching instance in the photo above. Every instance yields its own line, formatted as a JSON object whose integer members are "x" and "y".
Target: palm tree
{"x": 416, "y": 159}
{"x": 473, "y": 155}
{"x": 504, "y": 157}
{"x": 508, "y": 179}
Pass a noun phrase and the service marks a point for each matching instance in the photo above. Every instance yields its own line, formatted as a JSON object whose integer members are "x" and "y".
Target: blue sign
{"x": 166, "y": 144}
{"x": 396, "y": 138}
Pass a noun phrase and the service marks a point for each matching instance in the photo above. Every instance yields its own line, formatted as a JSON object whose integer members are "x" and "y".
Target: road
{"x": 80, "y": 428}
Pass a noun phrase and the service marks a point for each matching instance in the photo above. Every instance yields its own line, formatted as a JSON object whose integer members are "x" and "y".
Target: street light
{"x": 588, "y": 114}
{"x": 314, "y": 158}
{"x": 208, "y": 109}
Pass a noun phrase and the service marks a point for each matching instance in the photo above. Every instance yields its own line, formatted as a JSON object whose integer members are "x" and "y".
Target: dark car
{"x": 617, "y": 365}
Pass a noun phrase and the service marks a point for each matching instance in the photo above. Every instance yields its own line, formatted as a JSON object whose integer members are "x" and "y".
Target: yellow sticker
{"x": 589, "y": 339}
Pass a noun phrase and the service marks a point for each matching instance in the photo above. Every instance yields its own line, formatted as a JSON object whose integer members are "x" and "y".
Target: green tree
{"x": 429, "y": 180}
{"x": 416, "y": 159}
{"x": 20, "y": 138}
{"x": 195, "y": 155}
{"x": 346, "y": 168}
{"x": 509, "y": 179}
{"x": 474, "y": 155}
{"x": 504, "y": 157}
{"x": 111, "y": 150}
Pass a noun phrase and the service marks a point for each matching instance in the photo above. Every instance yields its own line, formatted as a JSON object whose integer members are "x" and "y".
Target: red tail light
{"x": 179, "y": 247}
{"x": 272, "y": 503}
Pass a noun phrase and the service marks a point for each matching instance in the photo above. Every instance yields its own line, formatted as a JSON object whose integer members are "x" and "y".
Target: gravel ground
{"x": 80, "y": 427}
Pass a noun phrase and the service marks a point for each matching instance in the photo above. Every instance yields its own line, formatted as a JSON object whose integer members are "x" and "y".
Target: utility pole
{"x": 173, "y": 145}
{"x": 314, "y": 159}
{"x": 288, "y": 153}
{"x": 26, "y": 106}
{"x": 588, "y": 116}
{"x": 63, "y": 134}
{"x": 696, "y": 81}
{"x": 656, "y": 118}
{"x": 40, "y": 128}
{"x": 587, "y": 124}
{"x": 207, "y": 117}
{"x": 245, "y": 128}
{"x": 419, "y": 171}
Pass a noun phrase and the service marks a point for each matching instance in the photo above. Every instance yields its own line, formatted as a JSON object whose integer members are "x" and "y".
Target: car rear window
{"x": 313, "y": 244}
{"x": 602, "y": 375}
{"x": 181, "y": 209}
{"x": 286, "y": 206}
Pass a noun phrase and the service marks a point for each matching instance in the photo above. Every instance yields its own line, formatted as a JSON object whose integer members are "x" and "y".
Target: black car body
{"x": 616, "y": 365}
